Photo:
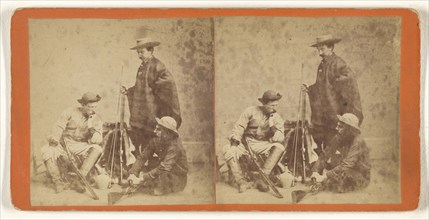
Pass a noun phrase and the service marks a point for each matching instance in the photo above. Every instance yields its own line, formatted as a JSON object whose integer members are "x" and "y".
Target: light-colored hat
{"x": 168, "y": 122}
{"x": 325, "y": 39}
{"x": 89, "y": 97}
{"x": 145, "y": 42}
{"x": 270, "y": 95}
{"x": 349, "y": 119}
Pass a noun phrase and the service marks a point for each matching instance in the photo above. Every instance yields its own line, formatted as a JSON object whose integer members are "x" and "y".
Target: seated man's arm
{"x": 59, "y": 127}
{"x": 96, "y": 130}
{"x": 240, "y": 125}
{"x": 166, "y": 164}
{"x": 277, "y": 128}
{"x": 141, "y": 160}
{"x": 349, "y": 162}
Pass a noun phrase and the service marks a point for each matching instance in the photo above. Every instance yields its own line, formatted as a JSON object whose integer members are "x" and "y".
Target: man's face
{"x": 341, "y": 128}
{"x": 271, "y": 106}
{"x": 143, "y": 53}
{"x": 90, "y": 108}
{"x": 161, "y": 132}
{"x": 324, "y": 50}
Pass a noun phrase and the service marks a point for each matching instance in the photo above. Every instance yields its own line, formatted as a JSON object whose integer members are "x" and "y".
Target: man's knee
{"x": 278, "y": 146}
{"x": 96, "y": 148}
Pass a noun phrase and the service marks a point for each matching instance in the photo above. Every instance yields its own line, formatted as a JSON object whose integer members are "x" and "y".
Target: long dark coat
{"x": 153, "y": 95}
{"x": 334, "y": 93}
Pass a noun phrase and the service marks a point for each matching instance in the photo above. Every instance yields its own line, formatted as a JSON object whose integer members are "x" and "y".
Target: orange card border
{"x": 409, "y": 103}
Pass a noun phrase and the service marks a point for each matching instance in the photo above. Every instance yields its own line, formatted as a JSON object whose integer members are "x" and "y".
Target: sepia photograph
{"x": 307, "y": 110}
{"x": 121, "y": 111}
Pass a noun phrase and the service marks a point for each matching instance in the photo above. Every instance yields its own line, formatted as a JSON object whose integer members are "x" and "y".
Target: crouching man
{"x": 162, "y": 167}
{"x": 345, "y": 165}
{"x": 262, "y": 129}
{"x": 80, "y": 130}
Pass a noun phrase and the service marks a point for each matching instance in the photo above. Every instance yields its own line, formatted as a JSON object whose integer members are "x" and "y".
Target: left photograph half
{"x": 121, "y": 112}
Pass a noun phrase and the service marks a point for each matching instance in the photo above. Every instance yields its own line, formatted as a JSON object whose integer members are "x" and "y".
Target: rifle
{"x": 315, "y": 188}
{"x": 77, "y": 171}
{"x": 264, "y": 176}
{"x": 114, "y": 197}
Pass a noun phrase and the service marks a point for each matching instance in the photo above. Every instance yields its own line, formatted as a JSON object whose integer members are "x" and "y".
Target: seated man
{"x": 345, "y": 163}
{"x": 262, "y": 129}
{"x": 162, "y": 167}
{"x": 80, "y": 130}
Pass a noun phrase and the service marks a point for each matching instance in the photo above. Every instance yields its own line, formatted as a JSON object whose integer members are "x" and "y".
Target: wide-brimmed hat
{"x": 349, "y": 119}
{"x": 168, "y": 122}
{"x": 145, "y": 42}
{"x": 89, "y": 97}
{"x": 270, "y": 95}
{"x": 325, "y": 39}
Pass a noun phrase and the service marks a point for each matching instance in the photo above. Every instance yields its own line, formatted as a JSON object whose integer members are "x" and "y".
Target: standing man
{"x": 262, "y": 129}
{"x": 335, "y": 92}
{"x": 162, "y": 167}
{"x": 80, "y": 130}
{"x": 153, "y": 95}
{"x": 346, "y": 167}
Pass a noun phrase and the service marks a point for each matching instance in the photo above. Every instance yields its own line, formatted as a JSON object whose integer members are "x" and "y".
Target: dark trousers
{"x": 347, "y": 181}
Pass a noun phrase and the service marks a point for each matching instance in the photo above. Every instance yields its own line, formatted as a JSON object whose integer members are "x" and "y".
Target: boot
{"x": 236, "y": 171}
{"x": 243, "y": 185}
{"x": 76, "y": 184}
{"x": 269, "y": 164}
{"x": 89, "y": 161}
{"x": 54, "y": 172}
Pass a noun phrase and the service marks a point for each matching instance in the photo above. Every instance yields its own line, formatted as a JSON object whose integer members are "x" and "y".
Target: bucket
{"x": 286, "y": 179}
{"x": 102, "y": 181}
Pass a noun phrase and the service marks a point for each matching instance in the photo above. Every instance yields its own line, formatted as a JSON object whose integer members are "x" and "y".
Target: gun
{"x": 76, "y": 170}
{"x": 298, "y": 195}
{"x": 114, "y": 197}
{"x": 264, "y": 176}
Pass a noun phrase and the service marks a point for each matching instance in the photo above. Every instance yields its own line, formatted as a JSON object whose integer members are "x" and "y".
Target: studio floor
{"x": 199, "y": 190}
{"x": 383, "y": 189}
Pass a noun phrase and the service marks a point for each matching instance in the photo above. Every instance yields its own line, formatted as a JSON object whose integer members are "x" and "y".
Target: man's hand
{"x": 52, "y": 142}
{"x": 234, "y": 142}
{"x": 319, "y": 178}
{"x": 124, "y": 90}
{"x": 134, "y": 180}
{"x": 304, "y": 87}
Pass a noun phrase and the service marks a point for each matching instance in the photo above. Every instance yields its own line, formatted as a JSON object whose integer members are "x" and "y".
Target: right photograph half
{"x": 307, "y": 110}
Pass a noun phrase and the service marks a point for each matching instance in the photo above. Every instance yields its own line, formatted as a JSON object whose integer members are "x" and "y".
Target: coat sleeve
{"x": 278, "y": 129}
{"x": 165, "y": 165}
{"x": 241, "y": 124}
{"x": 345, "y": 85}
{"x": 349, "y": 162}
{"x": 141, "y": 160}
{"x": 164, "y": 88}
{"x": 60, "y": 126}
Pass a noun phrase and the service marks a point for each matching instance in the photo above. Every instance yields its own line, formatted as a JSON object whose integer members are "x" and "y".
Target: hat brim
{"x": 82, "y": 101}
{"x": 159, "y": 122}
{"x": 340, "y": 118}
{"x": 330, "y": 41}
{"x": 268, "y": 100}
{"x": 148, "y": 44}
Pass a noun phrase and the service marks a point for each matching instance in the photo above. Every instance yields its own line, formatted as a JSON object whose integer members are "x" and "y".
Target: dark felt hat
{"x": 270, "y": 95}
{"x": 145, "y": 42}
{"x": 325, "y": 39}
{"x": 89, "y": 97}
